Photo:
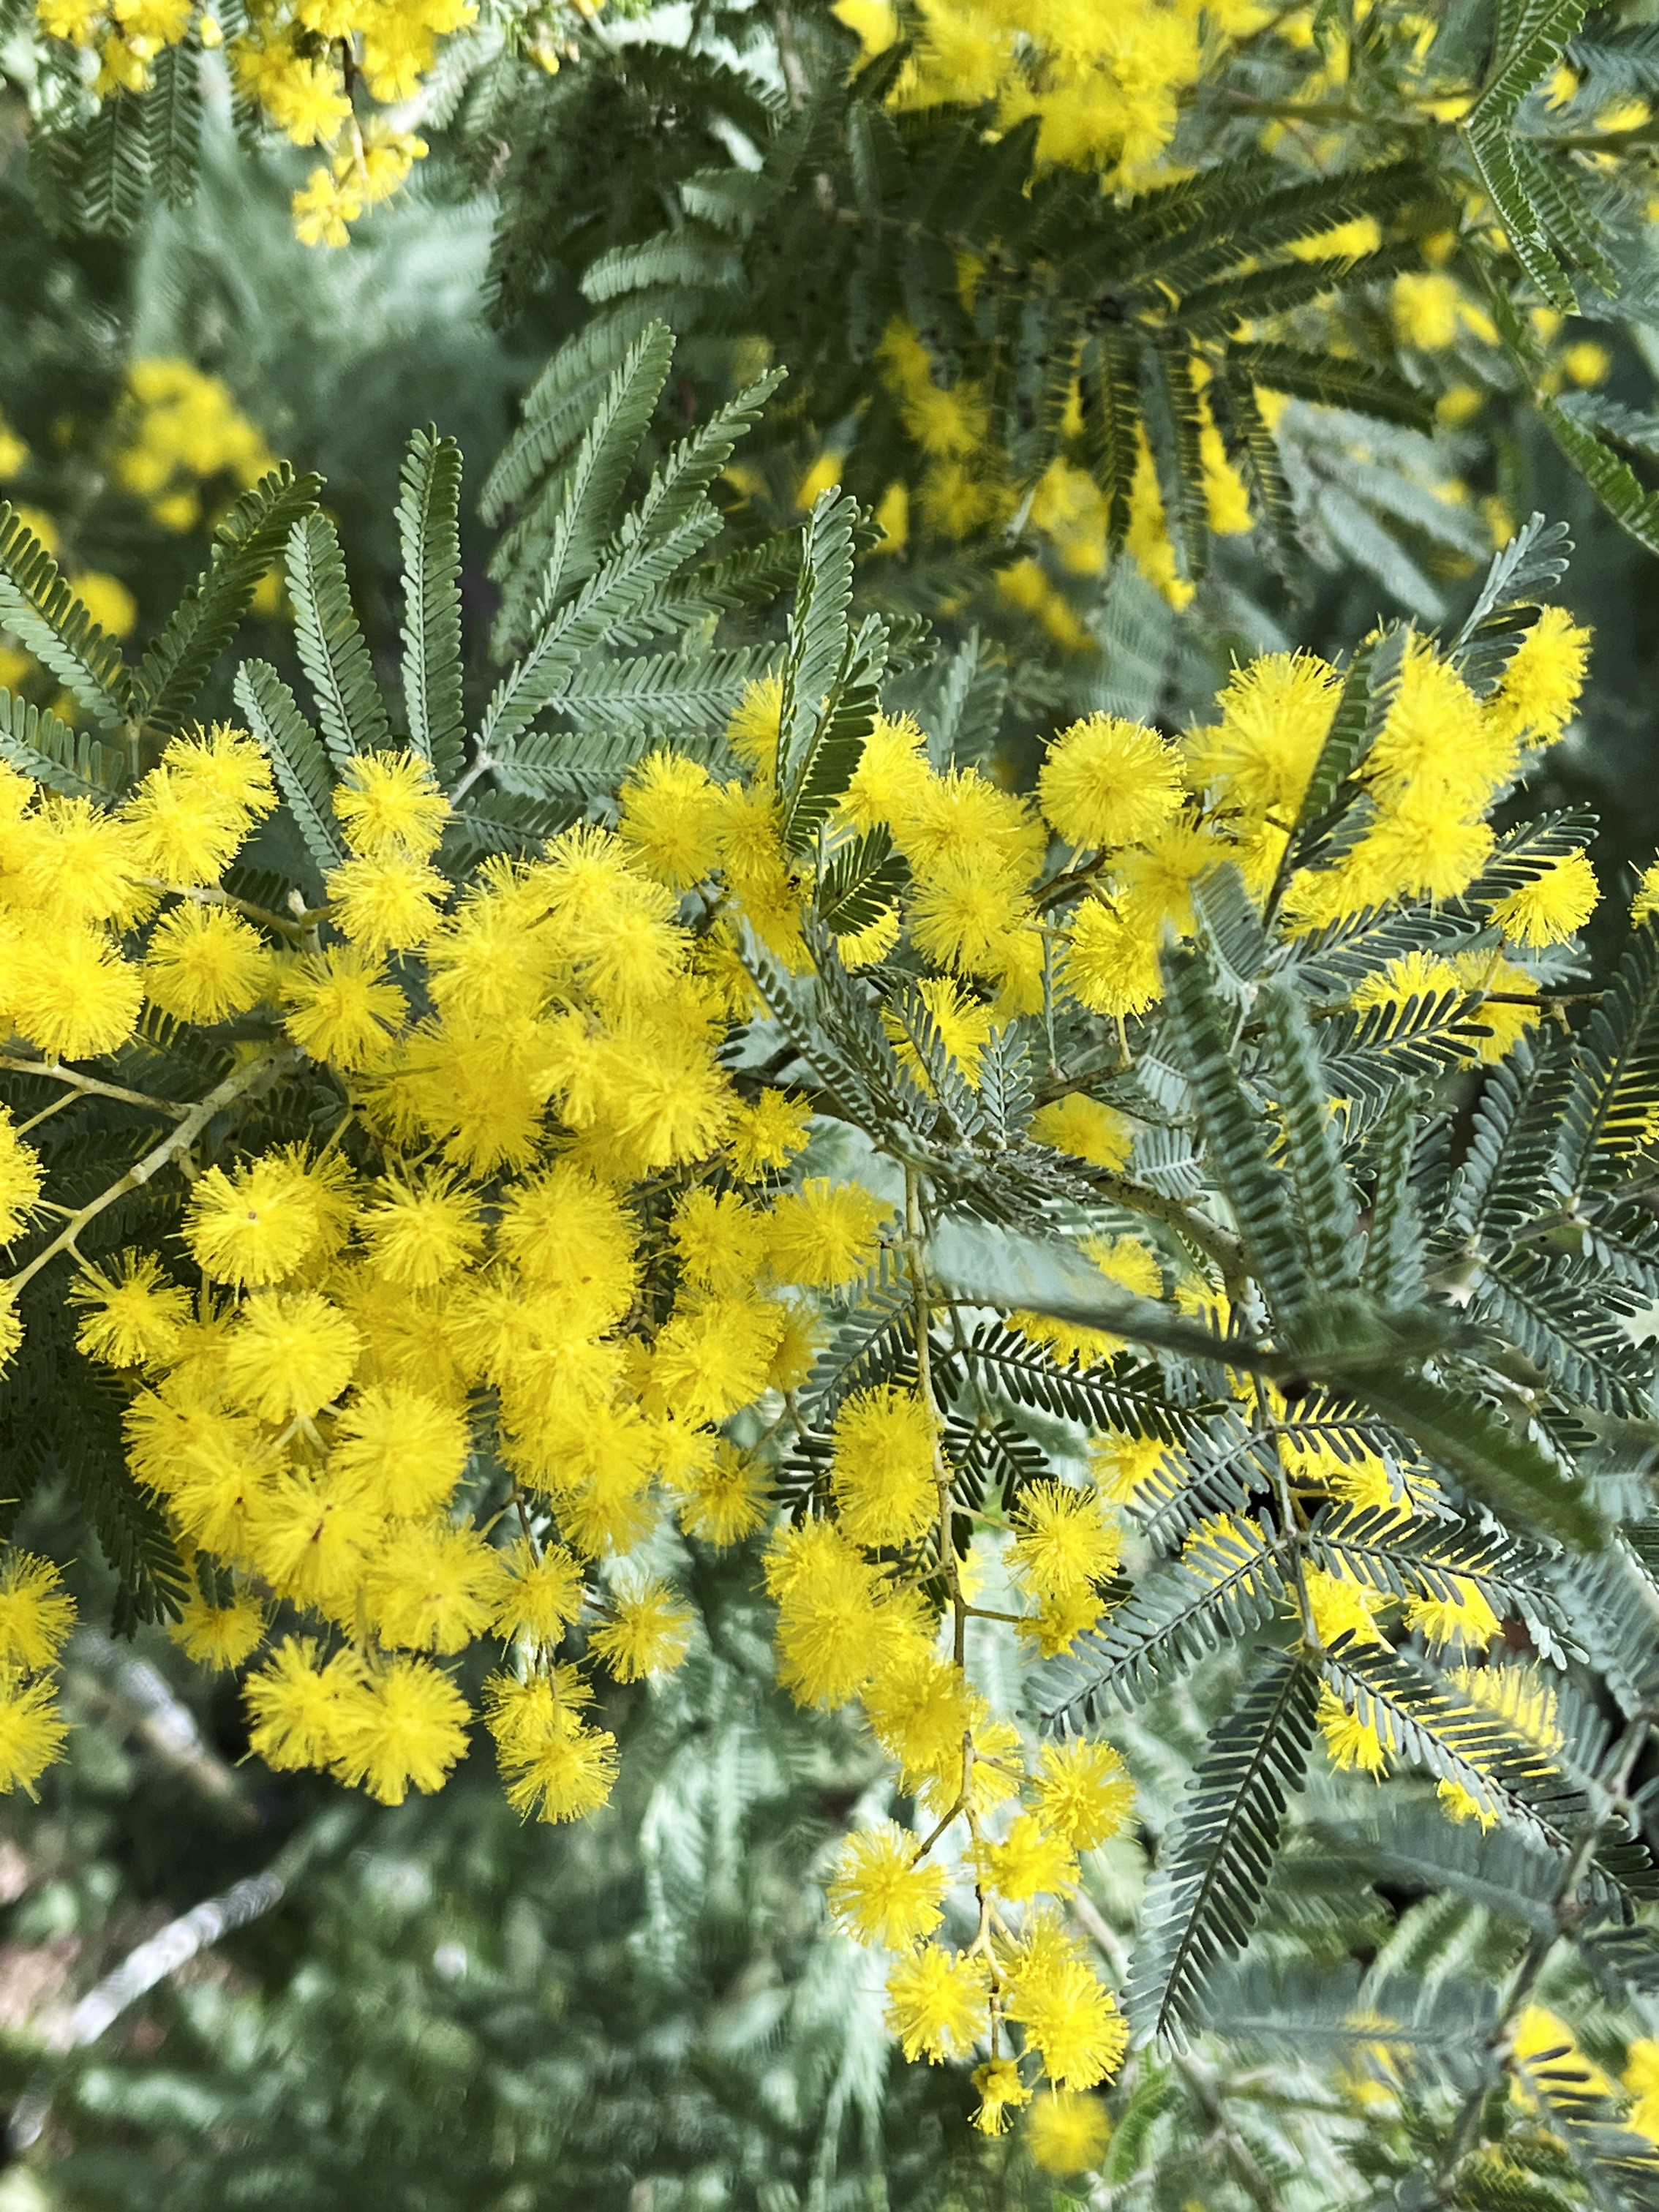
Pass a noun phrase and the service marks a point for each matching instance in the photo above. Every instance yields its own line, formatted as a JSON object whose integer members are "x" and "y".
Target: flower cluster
{"x": 439, "y": 1370}
{"x": 300, "y": 63}
{"x": 180, "y": 432}
{"x": 1105, "y": 87}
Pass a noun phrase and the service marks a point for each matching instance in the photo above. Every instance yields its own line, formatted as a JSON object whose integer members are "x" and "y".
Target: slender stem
{"x": 210, "y": 895}
{"x": 266, "y": 1067}
{"x": 1195, "y": 1228}
{"x": 91, "y": 1084}
{"x": 1542, "y": 998}
{"x": 794, "y": 71}
{"x": 480, "y": 765}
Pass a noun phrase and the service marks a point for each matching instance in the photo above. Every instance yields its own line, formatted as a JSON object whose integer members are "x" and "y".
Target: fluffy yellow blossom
{"x": 1110, "y": 782}
{"x": 936, "y": 2003}
{"x": 1065, "y": 1540}
{"x": 1000, "y": 2091}
{"x": 401, "y": 1727}
{"x": 881, "y": 1893}
{"x": 1067, "y": 2132}
{"x": 32, "y": 1735}
{"x": 20, "y": 1179}
{"x": 205, "y": 963}
{"x": 220, "y": 1636}
{"x": 135, "y": 1315}
{"x": 36, "y": 1612}
{"x": 1071, "y": 2019}
{"x": 649, "y": 1632}
{"x": 1083, "y": 1792}
{"x": 554, "y": 1764}
{"x": 883, "y": 1471}
{"x": 1086, "y": 1129}
{"x": 1553, "y": 906}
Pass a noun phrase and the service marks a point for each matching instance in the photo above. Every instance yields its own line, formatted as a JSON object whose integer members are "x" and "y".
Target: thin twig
{"x": 91, "y": 1084}
{"x": 266, "y": 1067}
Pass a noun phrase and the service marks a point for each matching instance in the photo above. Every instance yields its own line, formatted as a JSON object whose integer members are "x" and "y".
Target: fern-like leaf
{"x": 247, "y": 544}
{"x": 332, "y": 650}
{"x": 296, "y": 757}
{"x": 36, "y": 744}
{"x": 1216, "y": 1863}
{"x": 37, "y": 603}
{"x": 429, "y": 532}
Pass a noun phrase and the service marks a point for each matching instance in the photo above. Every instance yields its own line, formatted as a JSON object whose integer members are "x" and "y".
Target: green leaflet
{"x": 38, "y": 603}
{"x": 332, "y": 651}
{"x": 1235, "y": 1137}
{"x": 36, "y": 743}
{"x": 428, "y": 532}
{"x": 296, "y": 757}
{"x": 1215, "y": 1863}
{"x": 247, "y": 544}
{"x": 1498, "y": 1465}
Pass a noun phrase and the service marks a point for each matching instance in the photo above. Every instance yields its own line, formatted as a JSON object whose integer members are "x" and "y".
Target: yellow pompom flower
{"x": 936, "y": 2003}
{"x": 1084, "y": 1129}
{"x": 1083, "y": 1792}
{"x": 1641, "y": 2078}
{"x": 1108, "y": 782}
{"x": 1030, "y": 1861}
{"x": 553, "y": 1763}
{"x": 537, "y": 1597}
{"x": 204, "y": 963}
{"x": 920, "y": 1709}
{"x": 389, "y": 806}
{"x": 712, "y": 1356}
{"x": 431, "y": 1587}
{"x": 1340, "y": 1608}
{"x": 219, "y": 1636}
{"x": 1553, "y": 907}
{"x": 20, "y": 1179}
{"x": 1353, "y": 1743}
{"x": 1067, "y": 2133}
{"x": 289, "y": 1354}
{"x": 825, "y": 1233}
{"x": 1065, "y": 1540}
{"x": 723, "y": 1499}
{"x": 183, "y": 831}
{"x": 344, "y": 1011}
{"x": 296, "y": 1705}
{"x": 1000, "y": 2091}
{"x": 1111, "y": 963}
{"x": 405, "y": 1449}
{"x": 36, "y": 1612}
{"x": 32, "y": 1735}
{"x": 766, "y": 1133}
{"x": 1546, "y": 673}
{"x": 259, "y": 1224}
{"x": 386, "y": 903}
{"x": 1466, "y": 1618}
{"x": 881, "y": 1893}
{"x": 828, "y": 1632}
{"x": 670, "y": 819}
{"x": 402, "y": 1727}
{"x": 224, "y": 761}
{"x": 883, "y": 1471}
{"x": 649, "y": 1632}
{"x": 1070, "y": 2018}
{"x": 71, "y": 993}
{"x": 134, "y": 1316}
{"x": 420, "y": 1230}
